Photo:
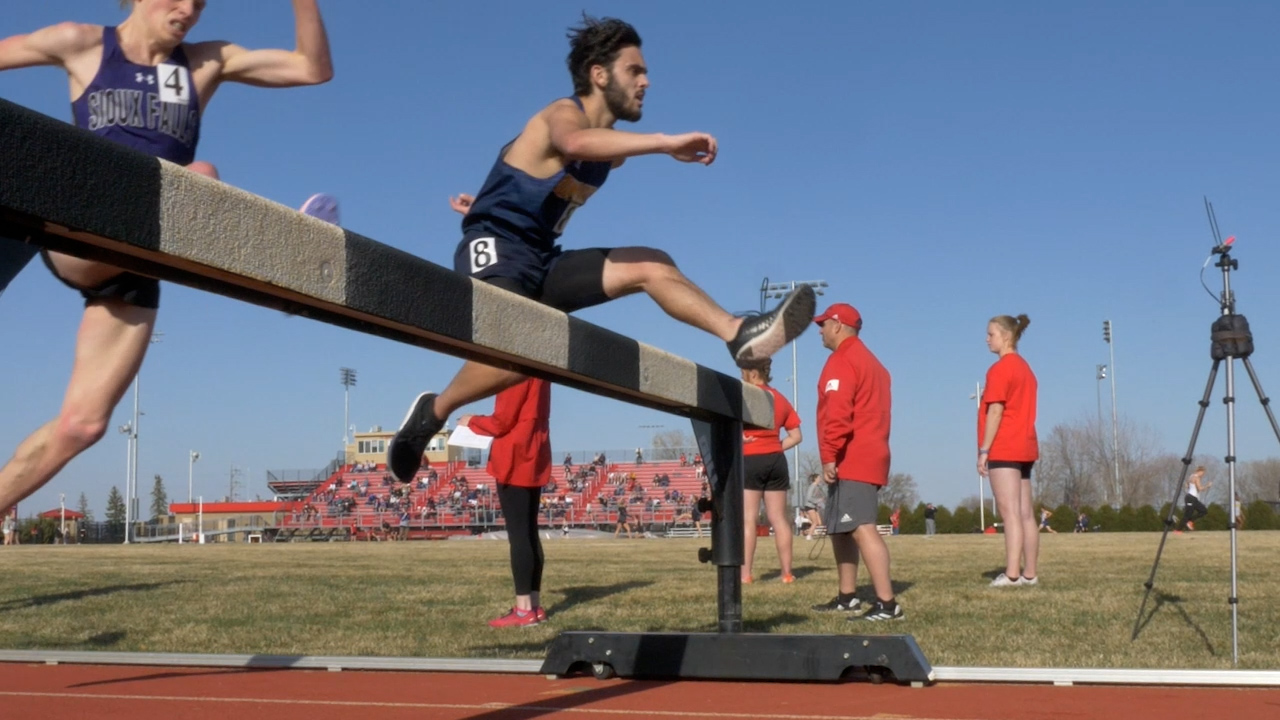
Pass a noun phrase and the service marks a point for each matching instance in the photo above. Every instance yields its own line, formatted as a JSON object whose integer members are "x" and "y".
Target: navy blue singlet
{"x": 520, "y": 207}
{"x": 154, "y": 109}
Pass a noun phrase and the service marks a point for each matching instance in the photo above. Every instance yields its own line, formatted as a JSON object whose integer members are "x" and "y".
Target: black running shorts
{"x": 767, "y": 473}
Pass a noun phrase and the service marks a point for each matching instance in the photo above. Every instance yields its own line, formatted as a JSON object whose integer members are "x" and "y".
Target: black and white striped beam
{"x": 68, "y": 190}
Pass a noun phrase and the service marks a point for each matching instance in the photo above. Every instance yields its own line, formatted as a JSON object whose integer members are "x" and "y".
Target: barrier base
{"x": 738, "y": 656}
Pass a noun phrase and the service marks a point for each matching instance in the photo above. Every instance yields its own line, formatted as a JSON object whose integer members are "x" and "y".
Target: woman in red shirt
{"x": 765, "y": 476}
{"x": 520, "y": 460}
{"x": 1008, "y": 448}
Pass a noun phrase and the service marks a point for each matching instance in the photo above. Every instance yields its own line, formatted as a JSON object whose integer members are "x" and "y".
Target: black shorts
{"x": 566, "y": 280}
{"x": 1025, "y": 467}
{"x": 136, "y": 290}
{"x": 766, "y": 473}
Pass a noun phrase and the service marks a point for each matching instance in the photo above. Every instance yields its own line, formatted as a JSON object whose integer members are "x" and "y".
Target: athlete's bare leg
{"x": 875, "y": 553}
{"x": 630, "y": 270}
{"x": 750, "y": 515}
{"x": 775, "y": 507}
{"x": 110, "y": 345}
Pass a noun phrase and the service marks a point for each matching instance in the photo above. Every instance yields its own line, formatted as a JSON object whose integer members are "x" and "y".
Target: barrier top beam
{"x": 68, "y": 190}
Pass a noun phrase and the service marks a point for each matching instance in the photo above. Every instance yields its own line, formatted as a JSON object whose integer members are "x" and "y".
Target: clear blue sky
{"x": 936, "y": 163}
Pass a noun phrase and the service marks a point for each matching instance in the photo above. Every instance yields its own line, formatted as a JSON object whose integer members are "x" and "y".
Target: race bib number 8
{"x": 484, "y": 252}
{"x": 175, "y": 84}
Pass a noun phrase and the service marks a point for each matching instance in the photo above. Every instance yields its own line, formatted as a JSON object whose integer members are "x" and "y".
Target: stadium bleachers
{"x": 343, "y": 502}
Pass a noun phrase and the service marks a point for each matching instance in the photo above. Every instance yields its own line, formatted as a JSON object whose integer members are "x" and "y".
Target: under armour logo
{"x": 147, "y": 78}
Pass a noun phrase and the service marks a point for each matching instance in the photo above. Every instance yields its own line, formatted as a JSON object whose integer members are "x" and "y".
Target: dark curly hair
{"x": 597, "y": 41}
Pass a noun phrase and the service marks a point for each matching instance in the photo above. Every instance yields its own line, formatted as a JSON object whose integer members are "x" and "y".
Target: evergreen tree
{"x": 83, "y": 507}
{"x": 159, "y": 500}
{"x": 115, "y": 510}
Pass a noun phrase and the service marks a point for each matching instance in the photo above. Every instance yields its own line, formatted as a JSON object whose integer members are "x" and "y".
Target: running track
{"x": 115, "y": 692}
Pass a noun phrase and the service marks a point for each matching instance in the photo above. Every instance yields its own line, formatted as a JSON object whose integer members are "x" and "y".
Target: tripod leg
{"x": 1177, "y": 494}
{"x": 1262, "y": 397}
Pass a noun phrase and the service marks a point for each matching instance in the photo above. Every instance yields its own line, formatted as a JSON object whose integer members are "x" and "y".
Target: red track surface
{"x": 110, "y": 692}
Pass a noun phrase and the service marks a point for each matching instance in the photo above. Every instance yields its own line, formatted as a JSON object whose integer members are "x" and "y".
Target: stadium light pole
{"x": 780, "y": 290}
{"x": 1115, "y": 428}
{"x": 131, "y": 429}
{"x": 191, "y": 467}
{"x": 348, "y": 381}
{"x": 982, "y": 513}
{"x": 1101, "y": 375}
{"x": 127, "y": 430}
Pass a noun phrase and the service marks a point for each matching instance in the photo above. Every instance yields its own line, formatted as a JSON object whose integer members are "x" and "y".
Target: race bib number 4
{"x": 175, "y": 84}
{"x": 484, "y": 252}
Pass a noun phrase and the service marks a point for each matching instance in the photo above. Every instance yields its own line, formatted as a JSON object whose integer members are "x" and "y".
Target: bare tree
{"x": 900, "y": 492}
{"x": 668, "y": 445}
{"x": 810, "y": 465}
{"x": 1258, "y": 479}
{"x": 1078, "y": 463}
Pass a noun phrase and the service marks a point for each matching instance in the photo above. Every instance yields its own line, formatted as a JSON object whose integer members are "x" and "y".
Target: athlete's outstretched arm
{"x": 309, "y": 64}
{"x": 47, "y": 46}
{"x": 571, "y": 137}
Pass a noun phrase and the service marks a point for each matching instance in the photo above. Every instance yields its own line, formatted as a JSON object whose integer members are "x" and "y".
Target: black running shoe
{"x": 853, "y": 606}
{"x": 763, "y": 335}
{"x": 404, "y": 452}
{"x": 881, "y": 610}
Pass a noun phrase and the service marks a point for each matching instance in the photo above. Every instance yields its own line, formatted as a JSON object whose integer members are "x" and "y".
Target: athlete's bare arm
{"x": 308, "y": 64}
{"x": 572, "y": 138}
{"x": 66, "y": 45}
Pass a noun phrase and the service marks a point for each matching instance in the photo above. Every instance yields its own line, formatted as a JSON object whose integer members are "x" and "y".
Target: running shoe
{"x": 1003, "y": 580}
{"x": 836, "y": 605}
{"x": 404, "y": 452}
{"x": 542, "y": 613}
{"x": 516, "y": 618}
{"x": 1024, "y": 580}
{"x": 788, "y": 579}
{"x": 761, "y": 336}
{"x": 321, "y": 206}
{"x": 881, "y": 610}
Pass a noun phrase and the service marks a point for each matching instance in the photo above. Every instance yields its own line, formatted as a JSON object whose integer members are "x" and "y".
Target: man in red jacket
{"x": 520, "y": 460}
{"x": 853, "y": 443}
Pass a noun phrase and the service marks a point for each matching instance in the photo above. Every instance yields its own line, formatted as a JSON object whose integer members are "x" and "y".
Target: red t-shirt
{"x": 521, "y": 451}
{"x": 758, "y": 441}
{"x": 1010, "y": 381}
{"x": 854, "y": 403}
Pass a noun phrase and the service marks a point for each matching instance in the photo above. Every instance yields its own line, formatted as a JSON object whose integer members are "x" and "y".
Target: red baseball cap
{"x": 845, "y": 313}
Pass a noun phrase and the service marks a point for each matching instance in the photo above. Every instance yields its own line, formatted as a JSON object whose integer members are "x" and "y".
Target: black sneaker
{"x": 404, "y": 452}
{"x": 881, "y": 610}
{"x": 763, "y": 335}
{"x": 836, "y": 605}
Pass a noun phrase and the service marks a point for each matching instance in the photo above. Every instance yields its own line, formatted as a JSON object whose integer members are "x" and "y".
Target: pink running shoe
{"x": 516, "y": 618}
{"x": 321, "y": 206}
{"x": 542, "y": 613}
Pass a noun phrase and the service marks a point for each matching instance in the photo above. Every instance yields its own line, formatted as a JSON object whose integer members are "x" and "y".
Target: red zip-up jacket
{"x": 853, "y": 414}
{"x": 521, "y": 450}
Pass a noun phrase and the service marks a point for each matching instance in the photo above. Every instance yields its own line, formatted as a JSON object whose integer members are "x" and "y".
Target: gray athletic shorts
{"x": 850, "y": 505}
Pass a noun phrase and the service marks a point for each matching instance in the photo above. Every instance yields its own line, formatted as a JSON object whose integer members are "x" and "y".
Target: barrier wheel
{"x": 603, "y": 671}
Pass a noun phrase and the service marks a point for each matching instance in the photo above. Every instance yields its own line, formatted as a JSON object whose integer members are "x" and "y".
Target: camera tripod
{"x": 1231, "y": 340}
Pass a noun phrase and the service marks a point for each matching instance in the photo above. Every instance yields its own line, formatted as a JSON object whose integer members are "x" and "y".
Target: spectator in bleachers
{"x": 765, "y": 475}
{"x": 568, "y": 465}
{"x": 639, "y": 456}
{"x": 520, "y": 460}
{"x": 684, "y": 459}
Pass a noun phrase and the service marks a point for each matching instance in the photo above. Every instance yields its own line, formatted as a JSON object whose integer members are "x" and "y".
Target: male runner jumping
{"x": 563, "y": 156}
{"x": 139, "y": 85}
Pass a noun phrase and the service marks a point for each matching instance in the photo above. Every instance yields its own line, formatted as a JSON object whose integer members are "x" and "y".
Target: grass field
{"x": 431, "y": 599}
